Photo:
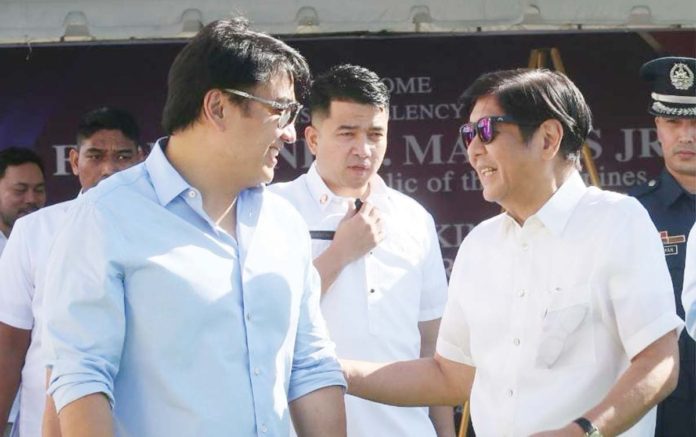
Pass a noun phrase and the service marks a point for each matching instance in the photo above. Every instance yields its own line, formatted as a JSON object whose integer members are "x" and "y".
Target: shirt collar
{"x": 323, "y": 196}
{"x": 669, "y": 188}
{"x": 556, "y": 212}
{"x": 167, "y": 182}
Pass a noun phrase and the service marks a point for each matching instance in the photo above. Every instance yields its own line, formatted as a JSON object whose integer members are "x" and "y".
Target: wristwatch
{"x": 588, "y": 427}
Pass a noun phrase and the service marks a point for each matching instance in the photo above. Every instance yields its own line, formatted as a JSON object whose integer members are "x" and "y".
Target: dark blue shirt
{"x": 673, "y": 211}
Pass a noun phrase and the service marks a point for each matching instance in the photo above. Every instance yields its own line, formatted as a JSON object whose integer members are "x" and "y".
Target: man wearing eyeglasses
{"x": 191, "y": 306}
{"x": 107, "y": 142}
{"x": 376, "y": 250}
{"x": 671, "y": 202}
{"x": 560, "y": 319}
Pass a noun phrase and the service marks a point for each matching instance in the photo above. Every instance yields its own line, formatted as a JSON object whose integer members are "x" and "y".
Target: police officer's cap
{"x": 674, "y": 91}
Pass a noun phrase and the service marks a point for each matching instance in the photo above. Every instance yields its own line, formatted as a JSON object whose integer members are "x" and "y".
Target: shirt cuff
{"x": 452, "y": 353}
{"x": 431, "y": 313}
{"x": 71, "y": 382}
{"x": 646, "y": 336}
{"x": 17, "y": 322}
{"x": 315, "y": 381}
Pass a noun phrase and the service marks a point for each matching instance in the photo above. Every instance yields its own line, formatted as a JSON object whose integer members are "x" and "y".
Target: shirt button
{"x": 516, "y": 341}
{"x": 323, "y": 199}
{"x": 524, "y": 246}
{"x": 510, "y": 393}
{"x": 522, "y": 292}
{"x": 257, "y": 371}
{"x": 191, "y": 194}
{"x": 248, "y": 317}
{"x": 372, "y": 290}
{"x": 264, "y": 429}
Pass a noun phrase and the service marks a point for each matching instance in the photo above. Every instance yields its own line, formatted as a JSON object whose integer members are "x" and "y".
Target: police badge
{"x": 681, "y": 76}
{"x": 674, "y": 93}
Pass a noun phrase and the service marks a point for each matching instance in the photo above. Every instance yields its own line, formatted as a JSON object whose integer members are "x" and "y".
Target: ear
{"x": 74, "y": 157}
{"x": 312, "y": 139}
{"x": 213, "y": 110}
{"x": 552, "y": 134}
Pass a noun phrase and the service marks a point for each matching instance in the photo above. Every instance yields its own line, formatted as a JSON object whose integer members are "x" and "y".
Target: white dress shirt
{"x": 373, "y": 307}
{"x": 550, "y": 313}
{"x": 21, "y": 274}
{"x": 689, "y": 289}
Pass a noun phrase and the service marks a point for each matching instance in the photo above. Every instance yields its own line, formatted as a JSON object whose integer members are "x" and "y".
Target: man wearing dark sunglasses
{"x": 383, "y": 278}
{"x": 560, "y": 319}
{"x": 190, "y": 306}
{"x": 671, "y": 202}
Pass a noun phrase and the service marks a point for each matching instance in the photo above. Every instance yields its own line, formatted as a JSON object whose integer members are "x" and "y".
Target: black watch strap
{"x": 587, "y": 426}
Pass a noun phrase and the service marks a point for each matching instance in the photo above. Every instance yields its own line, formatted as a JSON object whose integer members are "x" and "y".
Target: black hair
{"x": 533, "y": 96}
{"x": 13, "y": 156}
{"x": 225, "y": 54}
{"x": 107, "y": 118}
{"x": 350, "y": 83}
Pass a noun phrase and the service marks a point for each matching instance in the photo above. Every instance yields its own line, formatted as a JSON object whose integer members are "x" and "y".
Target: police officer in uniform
{"x": 671, "y": 201}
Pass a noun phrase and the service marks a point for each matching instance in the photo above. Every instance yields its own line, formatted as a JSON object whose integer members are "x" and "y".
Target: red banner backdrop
{"x": 46, "y": 89}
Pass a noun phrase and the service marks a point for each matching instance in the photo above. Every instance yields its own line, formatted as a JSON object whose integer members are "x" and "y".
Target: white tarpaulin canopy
{"x": 33, "y": 21}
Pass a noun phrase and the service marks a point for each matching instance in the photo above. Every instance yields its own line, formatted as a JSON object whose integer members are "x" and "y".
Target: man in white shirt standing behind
{"x": 561, "y": 319}
{"x": 22, "y": 191}
{"x": 107, "y": 142}
{"x": 382, "y": 276}
{"x": 22, "y": 187}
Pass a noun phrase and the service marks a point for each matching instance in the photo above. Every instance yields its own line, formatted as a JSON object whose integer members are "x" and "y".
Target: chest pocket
{"x": 567, "y": 329}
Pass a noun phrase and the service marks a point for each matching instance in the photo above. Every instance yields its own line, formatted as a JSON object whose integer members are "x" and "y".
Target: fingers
{"x": 350, "y": 212}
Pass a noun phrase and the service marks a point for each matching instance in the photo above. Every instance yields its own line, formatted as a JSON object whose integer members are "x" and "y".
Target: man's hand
{"x": 358, "y": 232}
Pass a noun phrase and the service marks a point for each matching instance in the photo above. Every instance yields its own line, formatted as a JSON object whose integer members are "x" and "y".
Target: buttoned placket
{"x": 373, "y": 293}
{"x": 521, "y": 251}
{"x": 257, "y": 368}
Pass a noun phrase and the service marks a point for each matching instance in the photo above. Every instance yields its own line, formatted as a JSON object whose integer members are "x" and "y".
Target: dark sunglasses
{"x": 288, "y": 110}
{"x": 484, "y": 128}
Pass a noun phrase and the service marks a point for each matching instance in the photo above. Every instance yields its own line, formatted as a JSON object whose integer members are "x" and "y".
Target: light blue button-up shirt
{"x": 186, "y": 330}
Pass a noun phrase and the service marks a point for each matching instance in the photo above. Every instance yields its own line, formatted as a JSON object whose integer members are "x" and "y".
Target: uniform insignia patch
{"x": 670, "y": 243}
{"x": 681, "y": 76}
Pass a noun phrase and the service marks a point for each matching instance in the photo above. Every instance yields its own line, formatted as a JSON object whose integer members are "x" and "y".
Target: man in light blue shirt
{"x": 107, "y": 142}
{"x": 181, "y": 295}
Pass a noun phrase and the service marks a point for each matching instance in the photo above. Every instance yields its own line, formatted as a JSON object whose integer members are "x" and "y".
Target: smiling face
{"x": 255, "y": 132}
{"x": 349, "y": 144}
{"x": 678, "y": 139}
{"x": 515, "y": 174}
{"x": 22, "y": 191}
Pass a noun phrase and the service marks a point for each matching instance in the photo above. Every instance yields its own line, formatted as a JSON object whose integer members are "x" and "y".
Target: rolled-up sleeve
{"x": 640, "y": 288}
{"x": 84, "y": 301}
{"x": 314, "y": 363}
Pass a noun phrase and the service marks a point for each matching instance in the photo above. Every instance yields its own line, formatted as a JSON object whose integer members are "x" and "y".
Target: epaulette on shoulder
{"x": 644, "y": 189}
